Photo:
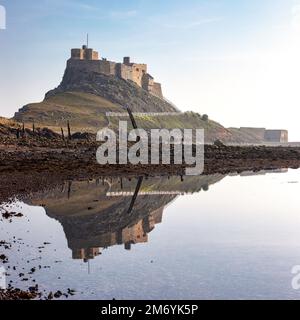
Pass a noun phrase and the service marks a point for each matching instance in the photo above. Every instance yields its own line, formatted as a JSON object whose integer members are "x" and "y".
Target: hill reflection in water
{"x": 108, "y": 211}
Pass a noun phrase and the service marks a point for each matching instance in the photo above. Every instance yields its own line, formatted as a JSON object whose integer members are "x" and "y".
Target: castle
{"x": 86, "y": 59}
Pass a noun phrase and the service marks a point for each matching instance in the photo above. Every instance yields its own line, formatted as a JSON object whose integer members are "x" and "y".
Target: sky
{"x": 237, "y": 61}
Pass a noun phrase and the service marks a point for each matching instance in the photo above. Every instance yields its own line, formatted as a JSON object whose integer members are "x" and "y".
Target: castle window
{"x": 137, "y": 69}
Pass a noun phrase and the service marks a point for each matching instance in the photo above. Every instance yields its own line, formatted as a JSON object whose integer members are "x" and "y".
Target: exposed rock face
{"x": 118, "y": 91}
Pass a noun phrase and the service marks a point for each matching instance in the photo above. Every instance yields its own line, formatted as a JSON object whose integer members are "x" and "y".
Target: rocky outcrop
{"x": 119, "y": 91}
{"x": 83, "y": 99}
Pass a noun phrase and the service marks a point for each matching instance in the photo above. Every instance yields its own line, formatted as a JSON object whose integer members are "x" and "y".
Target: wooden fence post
{"x": 69, "y": 131}
{"x": 62, "y": 134}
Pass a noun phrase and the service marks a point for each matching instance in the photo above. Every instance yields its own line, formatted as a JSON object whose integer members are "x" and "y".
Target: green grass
{"x": 87, "y": 113}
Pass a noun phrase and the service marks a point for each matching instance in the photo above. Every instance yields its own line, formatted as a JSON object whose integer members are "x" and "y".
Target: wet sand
{"x": 27, "y": 168}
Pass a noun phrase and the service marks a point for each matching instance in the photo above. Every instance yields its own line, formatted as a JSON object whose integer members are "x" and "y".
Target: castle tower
{"x": 85, "y": 253}
{"x": 84, "y": 53}
{"x": 126, "y": 60}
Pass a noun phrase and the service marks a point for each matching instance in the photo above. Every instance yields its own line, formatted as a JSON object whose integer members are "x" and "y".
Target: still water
{"x": 207, "y": 237}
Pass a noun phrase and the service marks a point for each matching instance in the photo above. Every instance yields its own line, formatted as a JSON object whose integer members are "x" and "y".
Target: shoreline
{"x": 26, "y": 168}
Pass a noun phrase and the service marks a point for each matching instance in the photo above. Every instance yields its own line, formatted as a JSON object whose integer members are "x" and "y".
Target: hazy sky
{"x": 237, "y": 61}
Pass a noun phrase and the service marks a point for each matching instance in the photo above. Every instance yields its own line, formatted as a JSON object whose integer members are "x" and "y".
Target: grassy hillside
{"x": 245, "y": 135}
{"x": 82, "y": 99}
{"x": 86, "y": 113}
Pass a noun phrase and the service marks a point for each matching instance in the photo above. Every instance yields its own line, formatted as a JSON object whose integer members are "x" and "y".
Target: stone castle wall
{"x": 138, "y": 71}
{"x": 84, "y": 54}
{"x": 87, "y": 59}
{"x": 276, "y": 136}
{"x": 266, "y": 135}
{"x": 123, "y": 71}
{"x": 156, "y": 90}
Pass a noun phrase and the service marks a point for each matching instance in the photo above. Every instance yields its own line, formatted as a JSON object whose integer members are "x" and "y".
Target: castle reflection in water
{"x": 105, "y": 212}
{"x": 138, "y": 233}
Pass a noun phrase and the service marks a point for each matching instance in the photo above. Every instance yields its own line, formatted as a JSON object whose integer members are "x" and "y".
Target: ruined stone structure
{"x": 265, "y": 135}
{"x": 86, "y": 59}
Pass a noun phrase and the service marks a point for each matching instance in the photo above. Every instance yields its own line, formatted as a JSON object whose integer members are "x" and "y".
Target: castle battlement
{"x": 86, "y": 59}
{"x": 84, "y": 54}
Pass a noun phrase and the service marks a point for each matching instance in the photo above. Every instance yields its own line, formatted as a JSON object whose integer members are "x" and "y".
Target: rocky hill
{"x": 116, "y": 90}
{"x": 83, "y": 98}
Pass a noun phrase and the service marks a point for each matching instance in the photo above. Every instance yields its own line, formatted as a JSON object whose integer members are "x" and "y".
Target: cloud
{"x": 192, "y": 24}
{"x": 124, "y": 14}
